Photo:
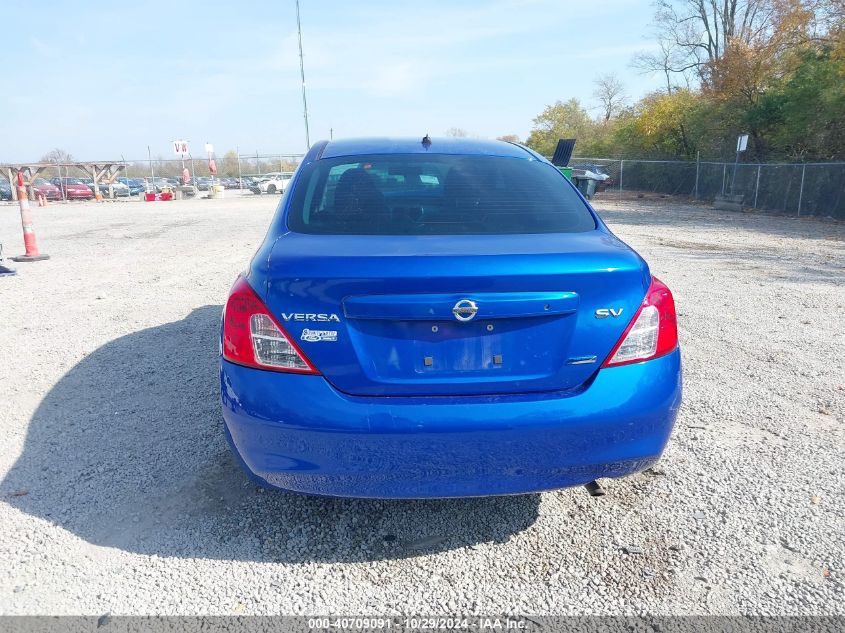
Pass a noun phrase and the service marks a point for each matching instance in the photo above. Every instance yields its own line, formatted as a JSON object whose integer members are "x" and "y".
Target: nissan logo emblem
{"x": 465, "y": 310}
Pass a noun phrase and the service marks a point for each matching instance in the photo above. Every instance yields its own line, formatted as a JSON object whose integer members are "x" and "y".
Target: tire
{"x": 271, "y": 189}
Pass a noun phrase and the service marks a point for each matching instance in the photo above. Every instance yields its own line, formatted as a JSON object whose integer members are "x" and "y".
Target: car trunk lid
{"x": 454, "y": 315}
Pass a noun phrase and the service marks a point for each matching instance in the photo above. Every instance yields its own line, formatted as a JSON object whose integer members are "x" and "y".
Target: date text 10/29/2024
{"x": 420, "y": 623}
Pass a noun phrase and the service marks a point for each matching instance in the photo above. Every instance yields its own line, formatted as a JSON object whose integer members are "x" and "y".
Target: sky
{"x": 105, "y": 80}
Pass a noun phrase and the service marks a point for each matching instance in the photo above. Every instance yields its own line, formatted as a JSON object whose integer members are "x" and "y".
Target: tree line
{"x": 773, "y": 69}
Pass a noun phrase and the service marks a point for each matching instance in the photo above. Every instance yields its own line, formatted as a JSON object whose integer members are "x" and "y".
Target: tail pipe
{"x": 595, "y": 489}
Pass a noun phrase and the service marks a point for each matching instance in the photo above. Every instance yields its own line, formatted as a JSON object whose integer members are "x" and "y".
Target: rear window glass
{"x": 416, "y": 194}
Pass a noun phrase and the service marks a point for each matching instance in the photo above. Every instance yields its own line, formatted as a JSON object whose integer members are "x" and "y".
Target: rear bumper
{"x": 298, "y": 433}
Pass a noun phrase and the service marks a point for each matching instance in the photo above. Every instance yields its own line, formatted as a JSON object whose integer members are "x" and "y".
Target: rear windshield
{"x": 398, "y": 194}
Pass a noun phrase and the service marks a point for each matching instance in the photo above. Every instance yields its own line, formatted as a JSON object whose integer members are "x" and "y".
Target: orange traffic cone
{"x": 32, "y": 254}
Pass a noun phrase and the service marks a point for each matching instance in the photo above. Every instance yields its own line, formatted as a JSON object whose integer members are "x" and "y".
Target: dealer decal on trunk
{"x": 315, "y": 336}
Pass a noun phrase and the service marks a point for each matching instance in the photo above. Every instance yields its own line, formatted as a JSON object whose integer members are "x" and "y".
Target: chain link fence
{"x": 243, "y": 165}
{"x": 800, "y": 189}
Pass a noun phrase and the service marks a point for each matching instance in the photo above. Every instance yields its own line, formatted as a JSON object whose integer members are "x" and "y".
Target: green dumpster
{"x": 566, "y": 171}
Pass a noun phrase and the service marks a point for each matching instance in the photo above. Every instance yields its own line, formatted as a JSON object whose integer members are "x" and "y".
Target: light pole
{"x": 302, "y": 73}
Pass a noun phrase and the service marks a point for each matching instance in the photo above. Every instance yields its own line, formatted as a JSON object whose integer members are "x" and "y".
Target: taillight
{"x": 653, "y": 331}
{"x": 252, "y": 337}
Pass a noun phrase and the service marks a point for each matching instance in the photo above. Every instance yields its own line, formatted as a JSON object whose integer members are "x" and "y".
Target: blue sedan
{"x": 444, "y": 318}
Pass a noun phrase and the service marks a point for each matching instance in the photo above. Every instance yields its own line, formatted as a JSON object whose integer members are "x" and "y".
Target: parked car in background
{"x": 159, "y": 183}
{"x": 47, "y": 189}
{"x": 5, "y": 190}
{"x": 89, "y": 182}
{"x": 444, "y": 319}
{"x": 136, "y": 185}
{"x": 203, "y": 183}
{"x": 119, "y": 189}
{"x": 274, "y": 182}
{"x": 73, "y": 188}
{"x": 596, "y": 172}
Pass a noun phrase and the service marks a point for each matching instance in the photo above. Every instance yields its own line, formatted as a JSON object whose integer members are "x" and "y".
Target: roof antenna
{"x": 426, "y": 142}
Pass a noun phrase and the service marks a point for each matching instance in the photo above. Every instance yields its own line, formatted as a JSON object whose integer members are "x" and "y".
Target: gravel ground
{"x": 118, "y": 494}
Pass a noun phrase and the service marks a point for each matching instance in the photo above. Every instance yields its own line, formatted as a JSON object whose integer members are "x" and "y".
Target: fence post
{"x": 724, "y": 175}
{"x": 801, "y": 190}
{"x": 621, "y": 167}
{"x": 240, "y": 180}
{"x": 697, "y": 168}
{"x": 757, "y": 186}
{"x": 62, "y": 183}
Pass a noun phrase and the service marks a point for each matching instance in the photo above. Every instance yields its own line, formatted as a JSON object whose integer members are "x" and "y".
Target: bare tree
{"x": 828, "y": 19}
{"x": 667, "y": 60}
{"x": 456, "y": 132}
{"x": 57, "y": 156}
{"x": 694, "y": 33}
{"x": 610, "y": 93}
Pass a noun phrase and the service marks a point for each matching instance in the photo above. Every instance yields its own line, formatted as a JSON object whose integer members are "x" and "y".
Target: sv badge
{"x": 603, "y": 313}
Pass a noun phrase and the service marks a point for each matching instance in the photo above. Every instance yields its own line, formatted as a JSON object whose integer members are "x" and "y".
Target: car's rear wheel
{"x": 271, "y": 189}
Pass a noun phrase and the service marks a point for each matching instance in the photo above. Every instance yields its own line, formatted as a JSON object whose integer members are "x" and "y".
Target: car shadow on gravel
{"x": 127, "y": 451}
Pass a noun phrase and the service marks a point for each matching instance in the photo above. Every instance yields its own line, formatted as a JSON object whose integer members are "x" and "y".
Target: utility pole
{"x": 302, "y": 73}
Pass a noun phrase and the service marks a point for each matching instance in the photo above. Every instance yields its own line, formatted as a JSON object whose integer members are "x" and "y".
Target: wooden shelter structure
{"x": 103, "y": 173}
